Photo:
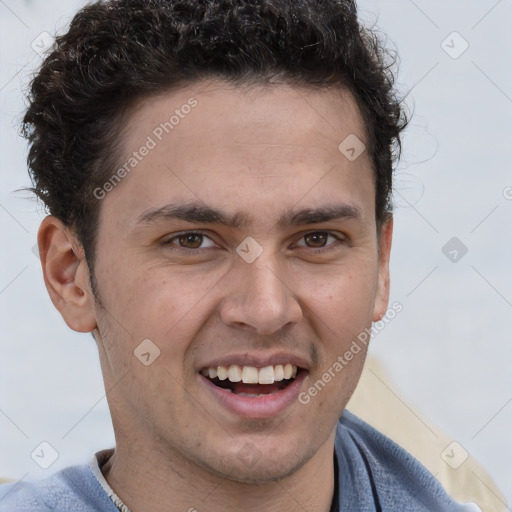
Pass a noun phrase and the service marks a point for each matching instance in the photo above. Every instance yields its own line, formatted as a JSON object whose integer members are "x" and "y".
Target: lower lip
{"x": 257, "y": 407}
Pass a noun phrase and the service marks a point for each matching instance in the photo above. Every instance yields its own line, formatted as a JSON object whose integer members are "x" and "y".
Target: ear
{"x": 382, "y": 295}
{"x": 66, "y": 274}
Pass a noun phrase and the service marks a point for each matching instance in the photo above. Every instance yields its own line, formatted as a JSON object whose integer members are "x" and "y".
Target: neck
{"x": 152, "y": 479}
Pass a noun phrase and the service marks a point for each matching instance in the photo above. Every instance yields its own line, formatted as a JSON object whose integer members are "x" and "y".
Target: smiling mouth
{"x": 251, "y": 381}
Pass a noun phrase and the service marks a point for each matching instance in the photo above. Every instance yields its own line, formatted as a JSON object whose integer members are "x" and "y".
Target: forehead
{"x": 251, "y": 150}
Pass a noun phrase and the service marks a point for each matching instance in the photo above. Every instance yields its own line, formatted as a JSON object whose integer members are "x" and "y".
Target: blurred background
{"x": 447, "y": 354}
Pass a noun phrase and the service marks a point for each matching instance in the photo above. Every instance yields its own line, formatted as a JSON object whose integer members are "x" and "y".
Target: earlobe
{"x": 383, "y": 280}
{"x": 66, "y": 274}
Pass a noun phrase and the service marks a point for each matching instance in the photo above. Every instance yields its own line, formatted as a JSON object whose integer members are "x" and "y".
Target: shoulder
{"x": 72, "y": 489}
{"x": 384, "y": 473}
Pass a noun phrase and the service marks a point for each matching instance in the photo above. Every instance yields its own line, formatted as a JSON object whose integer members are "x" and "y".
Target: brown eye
{"x": 190, "y": 240}
{"x": 316, "y": 240}
{"x": 319, "y": 240}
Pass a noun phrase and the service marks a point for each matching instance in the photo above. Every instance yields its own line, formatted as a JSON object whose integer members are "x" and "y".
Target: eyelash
{"x": 328, "y": 247}
{"x": 169, "y": 241}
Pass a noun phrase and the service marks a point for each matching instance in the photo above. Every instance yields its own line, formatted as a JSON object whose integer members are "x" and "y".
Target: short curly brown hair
{"x": 119, "y": 51}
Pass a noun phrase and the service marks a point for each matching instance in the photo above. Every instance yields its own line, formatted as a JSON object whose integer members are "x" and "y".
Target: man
{"x": 218, "y": 176}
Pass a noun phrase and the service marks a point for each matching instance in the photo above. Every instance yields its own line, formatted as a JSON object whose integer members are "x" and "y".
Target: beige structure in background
{"x": 375, "y": 402}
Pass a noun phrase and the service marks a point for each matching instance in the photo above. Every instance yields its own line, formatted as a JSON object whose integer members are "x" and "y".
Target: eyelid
{"x": 168, "y": 239}
{"x": 338, "y": 236}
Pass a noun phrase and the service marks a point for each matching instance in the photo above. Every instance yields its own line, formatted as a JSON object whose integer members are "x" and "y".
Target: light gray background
{"x": 448, "y": 352}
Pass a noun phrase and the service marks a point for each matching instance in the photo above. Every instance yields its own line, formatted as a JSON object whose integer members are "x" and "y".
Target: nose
{"x": 259, "y": 298}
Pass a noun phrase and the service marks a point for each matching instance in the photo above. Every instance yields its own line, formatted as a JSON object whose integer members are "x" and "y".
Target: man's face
{"x": 175, "y": 266}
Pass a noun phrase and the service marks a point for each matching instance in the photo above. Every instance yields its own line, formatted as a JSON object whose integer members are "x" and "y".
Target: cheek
{"x": 164, "y": 303}
{"x": 342, "y": 296}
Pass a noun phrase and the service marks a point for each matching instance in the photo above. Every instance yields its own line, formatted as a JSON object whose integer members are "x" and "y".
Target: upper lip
{"x": 259, "y": 360}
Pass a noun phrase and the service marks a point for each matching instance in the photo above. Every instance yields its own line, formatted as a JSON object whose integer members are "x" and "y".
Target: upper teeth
{"x": 251, "y": 374}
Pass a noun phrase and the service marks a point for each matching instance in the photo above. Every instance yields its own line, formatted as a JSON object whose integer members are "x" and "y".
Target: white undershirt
{"x": 94, "y": 464}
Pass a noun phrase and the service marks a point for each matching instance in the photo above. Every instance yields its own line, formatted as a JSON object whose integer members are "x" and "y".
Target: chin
{"x": 252, "y": 466}
{"x": 261, "y": 474}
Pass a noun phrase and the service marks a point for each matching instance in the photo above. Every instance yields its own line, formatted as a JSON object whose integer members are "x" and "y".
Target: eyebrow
{"x": 192, "y": 213}
{"x": 199, "y": 213}
{"x": 323, "y": 214}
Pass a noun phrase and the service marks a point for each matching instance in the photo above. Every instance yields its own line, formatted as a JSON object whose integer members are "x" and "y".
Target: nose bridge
{"x": 265, "y": 283}
{"x": 260, "y": 296}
